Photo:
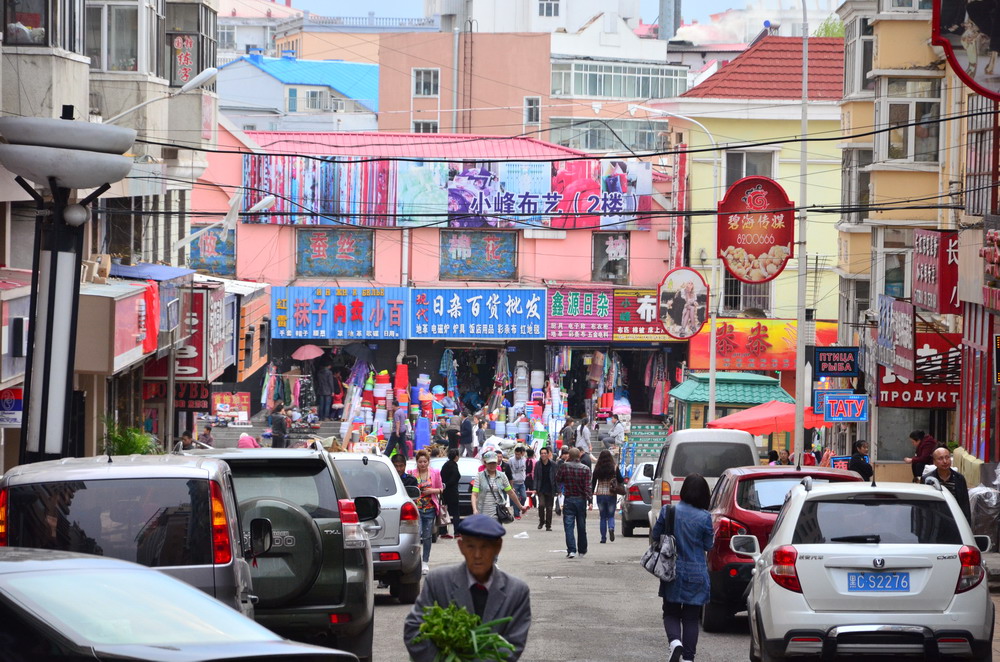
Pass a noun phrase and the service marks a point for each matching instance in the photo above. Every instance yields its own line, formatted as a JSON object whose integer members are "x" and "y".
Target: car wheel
{"x": 362, "y": 644}
{"x": 407, "y": 593}
{"x": 627, "y": 528}
{"x": 764, "y": 655}
{"x": 293, "y": 563}
{"x": 715, "y": 617}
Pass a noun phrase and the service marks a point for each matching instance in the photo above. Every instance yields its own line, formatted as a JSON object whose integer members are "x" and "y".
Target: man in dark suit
{"x": 466, "y": 433}
{"x": 478, "y": 585}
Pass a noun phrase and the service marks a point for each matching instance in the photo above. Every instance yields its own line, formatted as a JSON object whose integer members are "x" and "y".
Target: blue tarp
{"x": 157, "y": 272}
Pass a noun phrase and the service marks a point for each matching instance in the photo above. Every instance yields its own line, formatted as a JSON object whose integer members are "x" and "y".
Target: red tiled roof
{"x": 410, "y": 145}
{"x": 772, "y": 69}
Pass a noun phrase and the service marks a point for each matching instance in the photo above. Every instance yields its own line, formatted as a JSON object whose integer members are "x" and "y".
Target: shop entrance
{"x": 633, "y": 362}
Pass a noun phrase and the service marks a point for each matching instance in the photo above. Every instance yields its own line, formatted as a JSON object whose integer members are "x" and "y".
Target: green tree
{"x": 831, "y": 27}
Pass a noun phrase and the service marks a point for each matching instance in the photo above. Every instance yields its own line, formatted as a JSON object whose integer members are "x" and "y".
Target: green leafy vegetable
{"x": 461, "y": 636}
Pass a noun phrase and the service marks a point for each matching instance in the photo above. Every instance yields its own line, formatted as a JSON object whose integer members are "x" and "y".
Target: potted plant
{"x": 121, "y": 439}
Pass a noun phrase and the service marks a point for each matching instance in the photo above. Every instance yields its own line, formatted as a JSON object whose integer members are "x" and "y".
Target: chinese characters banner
{"x": 579, "y": 314}
{"x": 754, "y": 344}
{"x": 477, "y": 313}
{"x": 755, "y": 229}
{"x": 340, "y": 253}
{"x": 214, "y": 253}
{"x": 478, "y": 255}
{"x": 896, "y": 391}
{"x": 636, "y": 316}
{"x": 349, "y": 313}
{"x": 935, "y": 271}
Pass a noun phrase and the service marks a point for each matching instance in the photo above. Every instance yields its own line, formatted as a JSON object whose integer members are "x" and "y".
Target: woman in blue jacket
{"x": 684, "y": 596}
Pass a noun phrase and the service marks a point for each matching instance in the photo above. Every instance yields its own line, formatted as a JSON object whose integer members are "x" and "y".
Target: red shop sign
{"x": 756, "y": 229}
{"x": 935, "y": 271}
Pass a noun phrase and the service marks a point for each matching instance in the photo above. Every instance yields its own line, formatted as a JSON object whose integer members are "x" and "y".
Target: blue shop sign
{"x": 846, "y": 408}
{"x": 214, "y": 252}
{"x": 339, "y": 313}
{"x": 471, "y": 314}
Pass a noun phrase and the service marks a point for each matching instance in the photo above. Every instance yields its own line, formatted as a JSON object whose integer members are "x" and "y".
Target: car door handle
{"x": 373, "y": 527}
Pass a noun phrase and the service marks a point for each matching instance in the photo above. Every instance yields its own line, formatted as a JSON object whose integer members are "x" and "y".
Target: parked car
{"x": 395, "y": 534}
{"x": 315, "y": 584}
{"x": 468, "y": 467}
{"x": 708, "y": 452}
{"x": 638, "y": 495}
{"x": 175, "y": 513}
{"x": 746, "y": 500}
{"x": 57, "y": 605}
{"x": 855, "y": 568}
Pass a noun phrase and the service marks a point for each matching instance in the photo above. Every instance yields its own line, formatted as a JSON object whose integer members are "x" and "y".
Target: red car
{"x": 746, "y": 500}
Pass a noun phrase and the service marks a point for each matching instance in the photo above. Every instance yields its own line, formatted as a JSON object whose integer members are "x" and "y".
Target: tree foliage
{"x": 831, "y": 27}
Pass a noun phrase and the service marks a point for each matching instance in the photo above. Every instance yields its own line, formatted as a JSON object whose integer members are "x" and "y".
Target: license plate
{"x": 895, "y": 582}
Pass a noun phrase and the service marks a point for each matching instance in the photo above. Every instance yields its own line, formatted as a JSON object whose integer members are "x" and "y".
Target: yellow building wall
{"x": 901, "y": 186}
{"x": 854, "y": 252}
{"x": 903, "y": 45}
{"x": 857, "y": 117}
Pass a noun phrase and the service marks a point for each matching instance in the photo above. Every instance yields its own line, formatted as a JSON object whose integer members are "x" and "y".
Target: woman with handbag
{"x": 684, "y": 596}
{"x": 428, "y": 505}
{"x": 607, "y": 483}
{"x": 488, "y": 490}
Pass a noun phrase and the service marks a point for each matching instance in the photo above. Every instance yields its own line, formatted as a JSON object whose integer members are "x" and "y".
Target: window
{"x": 906, "y": 5}
{"x": 55, "y": 23}
{"x": 548, "y": 7}
{"x": 293, "y": 100}
{"x": 710, "y": 459}
{"x": 738, "y": 296}
{"x": 190, "y": 39}
{"x": 425, "y": 127}
{"x": 617, "y": 80}
{"x": 767, "y": 494}
{"x": 249, "y": 127}
{"x": 859, "y": 47}
{"x": 902, "y": 103}
{"x": 368, "y": 478}
{"x": 854, "y": 300}
{"x": 227, "y": 37}
{"x": 891, "y": 254}
{"x": 122, "y": 37}
{"x": 532, "y": 110}
{"x": 745, "y": 164}
{"x": 609, "y": 135}
{"x": 611, "y": 258}
{"x": 855, "y": 193}
{"x": 314, "y": 99}
{"x": 892, "y": 520}
{"x": 982, "y": 164}
{"x": 425, "y": 82}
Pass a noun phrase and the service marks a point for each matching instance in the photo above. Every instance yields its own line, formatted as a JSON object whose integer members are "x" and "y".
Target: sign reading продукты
{"x": 339, "y": 312}
{"x": 846, "y": 408}
{"x": 477, "y": 313}
{"x": 836, "y": 362}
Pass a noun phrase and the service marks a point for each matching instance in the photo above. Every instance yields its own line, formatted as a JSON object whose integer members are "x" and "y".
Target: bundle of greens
{"x": 460, "y": 636}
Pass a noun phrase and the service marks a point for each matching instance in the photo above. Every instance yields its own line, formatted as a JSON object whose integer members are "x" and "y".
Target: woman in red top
{"x": 428, "y": 504}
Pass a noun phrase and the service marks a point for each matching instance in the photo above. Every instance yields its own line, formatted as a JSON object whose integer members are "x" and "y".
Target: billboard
{"x": 754, "y": 344}
{"x": 580, "y": 314}
{"x": 354, "y": 313}
{"x": 756, "y": 229}
{"x": 684, "y": 300}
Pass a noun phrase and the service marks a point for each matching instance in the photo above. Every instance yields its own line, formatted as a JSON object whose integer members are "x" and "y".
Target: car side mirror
{"x": 983, "y": 543}
{"x": 647, "y": 471}
{"x": 260, "y": 536}
{"x": 745, "y": 546}
{"x": 367, "y": 507}
{"x": 412, "y": 491}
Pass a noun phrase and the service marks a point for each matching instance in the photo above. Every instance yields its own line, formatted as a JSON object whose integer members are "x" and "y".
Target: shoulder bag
{"x": 617, "y": 487}
{"x": 661, "y": 557}
{"x": 504, "y": 515}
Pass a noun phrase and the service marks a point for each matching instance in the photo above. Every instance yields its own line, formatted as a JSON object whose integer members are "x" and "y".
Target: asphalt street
{"x": 601, "y": 607}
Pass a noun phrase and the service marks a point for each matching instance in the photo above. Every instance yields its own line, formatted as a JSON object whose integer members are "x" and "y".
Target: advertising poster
{"x": 478, "y": 255}
{"x": 896, "y": 344}
{"x": 358, "y": 313}
{"x": 339, "y": 253}
{"x": 636, "y": 316}
{"x": 477, "y": 313}
{"x": 214, "y": 252}
{"x": 421, "y": 192}
{"x": 683, "y": 296}
{"x": 935, "y": 271}
{"x": 234, "y": 406}
{"x": 754, "y": 344}
{"x": 580, "y": 314}
{"x": 756, "y": 229}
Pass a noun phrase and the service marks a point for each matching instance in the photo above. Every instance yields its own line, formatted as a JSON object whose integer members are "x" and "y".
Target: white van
{"x": 706, "y": 451}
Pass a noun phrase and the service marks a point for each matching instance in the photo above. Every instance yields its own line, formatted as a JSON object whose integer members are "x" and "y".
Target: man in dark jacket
{"x": 324, "y": 392}
{"x": 950, "y": 479}
{"x": 467, "y": 433}
{"x": 451, "y": 476}
{"x": 858, "y": 462}
{"x": 924, "y": 446}
{"x": 545, "y": 487}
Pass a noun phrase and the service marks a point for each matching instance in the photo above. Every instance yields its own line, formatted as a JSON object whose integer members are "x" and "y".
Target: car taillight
{"x": 783, "y": 568}
{"x": 408, "y": 513}
{"x": 3, "y": 518}
{"x": 337, "y": 619}
{"x": 727, "y": 528}
{"x": 664, "y": 492}
{"x": 972, "y": 571}
{"x": 222, "y": 548}
{"x": 354, "y": 534}
{"x": 348, "y": 513}
{"x": 633, "y": 493}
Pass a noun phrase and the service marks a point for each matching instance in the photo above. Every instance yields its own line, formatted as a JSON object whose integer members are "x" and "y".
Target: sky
{"x": 690, "y": 9}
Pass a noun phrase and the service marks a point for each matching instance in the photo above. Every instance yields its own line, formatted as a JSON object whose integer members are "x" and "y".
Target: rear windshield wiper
{"x": 871, "y": 538}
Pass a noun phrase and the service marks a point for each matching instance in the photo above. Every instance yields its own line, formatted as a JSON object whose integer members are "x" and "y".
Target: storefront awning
{"x": 231, "y": 286}
{"x": 142, "y": 271}
{"x": 731, "y": 388}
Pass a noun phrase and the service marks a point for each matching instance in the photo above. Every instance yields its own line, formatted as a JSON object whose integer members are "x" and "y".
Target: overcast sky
{"x": 690, "y": 9}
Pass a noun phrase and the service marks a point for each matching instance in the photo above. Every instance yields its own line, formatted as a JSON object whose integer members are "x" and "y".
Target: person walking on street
{"x": 575, "y": 479}
{"x": 684, "y": 596}
{"x": 279, "y": 426}
{"x": 206, "y": 436}
{"x": 858, "y": 462}
{"x": 399, "y": 464}
{"x": 923, "y": 453}
{"x": 450, "y": 477}
{"x": 429, "y": 482}
{"x": 518, "y": 475}
{"x": 397, "y": 439}
{"x": 606, "y": 476}
{"x": 324, "y": 392}
{"x": 560, "y": 492}
{"x": 583, "y": 436}
{"x": 479, "y": 586}
{"x": 568, "y": 434}
{"x": 467, "y": 434}
{"x": 489, "y": 488}
{"x": 545, "y": 487}
{"x": 481, "y": 435}
{"x": 950, "y": 479}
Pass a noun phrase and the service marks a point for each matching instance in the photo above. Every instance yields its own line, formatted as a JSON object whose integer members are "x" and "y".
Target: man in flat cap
{"x": 478, "y": 585}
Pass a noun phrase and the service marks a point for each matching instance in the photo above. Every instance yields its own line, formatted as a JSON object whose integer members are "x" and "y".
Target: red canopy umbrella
{"x": 769, "y": 417}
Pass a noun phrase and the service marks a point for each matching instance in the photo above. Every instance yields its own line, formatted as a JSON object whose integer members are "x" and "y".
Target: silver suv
{"x": 395, "y": 534}
{"x": 174, "y": 513}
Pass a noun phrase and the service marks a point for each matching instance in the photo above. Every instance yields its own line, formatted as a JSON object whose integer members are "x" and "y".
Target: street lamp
{"x": 798, "y": 440}
{"x": 228, "y": 223}
{"x": 57, "y": 155}
{"x": 203, "y": 78}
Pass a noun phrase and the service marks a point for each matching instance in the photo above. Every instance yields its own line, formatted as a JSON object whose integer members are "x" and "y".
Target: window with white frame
{"x": 315, "y": 99}
{"x": 610, "y": 257}
{"x": 911, "y": 110}
{"x": 617, "y": 80}
{"x": 227, "y": 37}
{"x": 425, "y": 126}
{"x": 532, "y": 110}
{"x": 892, "y": 251}
{"x": 44, "y": 23}
{"x": 738, "y": 296}
{"x": 125, "y": 36}
{"x": 608, "y": 135}
{"x": 740, "y": 164}
{"x": 982, "y": 161}
{"x": 191, "y": 31}
{"x": 855, "y": 298}
{"x": 548, "y": 7}
{"x": 425, "y": 82}
{"x": 855, "y": 194}
{"x": 906, "y": 5}
{"x": 859, "y": 49}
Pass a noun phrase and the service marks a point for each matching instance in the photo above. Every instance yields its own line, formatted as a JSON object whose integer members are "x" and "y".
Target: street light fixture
{"x": 229, "y": 222}
{"x": 203, "y": 78}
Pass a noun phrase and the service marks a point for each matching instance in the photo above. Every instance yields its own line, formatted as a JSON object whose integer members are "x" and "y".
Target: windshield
{"x": 153, "y": 521}
{"x": 889, "y": 519}
{"x": 306, "y": 484}
{"x": 767, "y": 493}
{"x": 371, "y": 479}
{"x": 126, "y": 606}
{"x": 710, "y": 459}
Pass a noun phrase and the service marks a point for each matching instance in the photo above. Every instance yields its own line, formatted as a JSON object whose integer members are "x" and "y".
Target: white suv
{"x": 854, "y": 568}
